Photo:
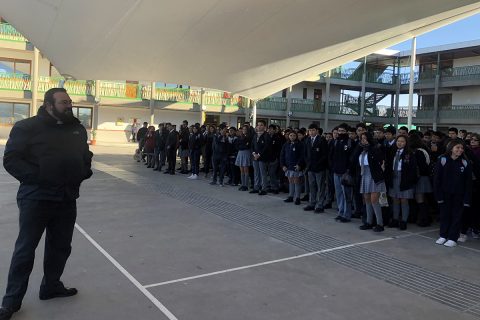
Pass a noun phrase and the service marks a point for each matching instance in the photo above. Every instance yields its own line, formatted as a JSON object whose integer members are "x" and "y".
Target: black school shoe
{"x": 297, "y": 201}
{"x": 378, "y": 228}
{"x": 402, "y": 225}
{"x": 61, "y": 292}
{"x": 365, "y": 226}
{"x": 289, "y": 199}
{"x": 319, "y": 210}
{"x": 7, "y": 312}
{"x": 262, "y": 193}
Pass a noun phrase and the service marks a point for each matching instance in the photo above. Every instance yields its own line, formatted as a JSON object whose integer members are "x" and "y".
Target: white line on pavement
{"x": 266, "y": 262}
{"x": 135, "y": 282}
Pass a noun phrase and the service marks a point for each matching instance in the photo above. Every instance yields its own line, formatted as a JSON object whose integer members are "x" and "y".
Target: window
{"x": 212, "y": 119}
{"x": 295, "y": 124}
{"x": 282, "y": 123}
{"x": 8, "y": 65}
{"x": 84, "y": 114}
{"x": 13, "y": 112}
{"x": 305, "y": 92}
{"x": 284, "y": 93}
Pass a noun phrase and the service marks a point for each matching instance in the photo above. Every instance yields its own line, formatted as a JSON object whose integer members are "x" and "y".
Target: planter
{"x": 93, "y": 142}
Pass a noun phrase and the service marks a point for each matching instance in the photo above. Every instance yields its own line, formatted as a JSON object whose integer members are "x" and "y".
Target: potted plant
{"x": 93, "y": 136}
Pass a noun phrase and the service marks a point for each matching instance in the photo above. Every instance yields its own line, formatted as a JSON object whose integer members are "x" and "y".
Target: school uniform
{"x": 402, "y": 175}
{"x": 195, "y": 142}
{"x": 171, "y": 146}
{"x": 261, "y": 146}
{"x": 292, "y": 154}
{"x": 316, "y": 159}
{"x": 233, "y": 171}
{"x": 219, "y": 158}
{"x": 273, "y": 162}
{"x": 453, "y": 191}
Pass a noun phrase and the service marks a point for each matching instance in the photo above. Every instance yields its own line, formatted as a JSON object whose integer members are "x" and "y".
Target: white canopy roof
{"x": 249, "y": 47}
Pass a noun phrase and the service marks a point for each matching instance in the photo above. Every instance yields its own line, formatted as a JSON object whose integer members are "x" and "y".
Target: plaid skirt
{"x": 395, "y": 190}
{"x": 368, "y": 185}
{"x": 293, "y": 174}
{"x": 424, "y": 185}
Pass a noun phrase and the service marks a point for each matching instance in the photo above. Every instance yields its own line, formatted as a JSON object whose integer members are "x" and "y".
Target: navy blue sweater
{"x": 292, "y": 154}
{"x": 453, "y": 177}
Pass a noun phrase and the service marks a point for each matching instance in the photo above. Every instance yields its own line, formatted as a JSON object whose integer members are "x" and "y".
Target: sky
{"x": 463, "y": 30}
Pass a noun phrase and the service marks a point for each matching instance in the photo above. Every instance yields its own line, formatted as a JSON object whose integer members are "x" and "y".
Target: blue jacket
{"x": 453, "y": 177}
{"x": 292, "y": 154}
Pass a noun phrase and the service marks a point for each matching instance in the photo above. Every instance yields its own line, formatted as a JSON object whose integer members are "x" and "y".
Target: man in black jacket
{"x": 261, "y": 154}
{"x": 171, "y": 146}
{"x": 159, "y": 150}
{"x": 49, "y": 155}
{"x": 142, "y": 132}
{"x": 316, "y": 156}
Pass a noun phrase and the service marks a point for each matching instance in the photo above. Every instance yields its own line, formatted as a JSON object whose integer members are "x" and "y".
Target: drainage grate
{"x": 455, "y": 293}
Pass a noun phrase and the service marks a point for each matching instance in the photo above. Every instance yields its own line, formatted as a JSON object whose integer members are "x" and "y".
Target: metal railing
{"x": 272, "y": 103}
{"x": 8, "y": 32}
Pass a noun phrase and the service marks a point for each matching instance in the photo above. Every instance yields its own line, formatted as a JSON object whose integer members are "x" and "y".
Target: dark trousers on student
{"x": 451, "y": 211}
{"x": 219, "y": 166}
{"x": 195, "y": 160}
{"x": 36, "y": 216}
{"x": 172, "y": 159}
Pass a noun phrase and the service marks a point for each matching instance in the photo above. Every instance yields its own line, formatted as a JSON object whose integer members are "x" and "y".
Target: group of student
{"x": 384, "y": 176}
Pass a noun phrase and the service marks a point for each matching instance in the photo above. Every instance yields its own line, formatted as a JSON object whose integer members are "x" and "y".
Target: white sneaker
{"x": 450, "y": 243}
{"x": 194, "y": 177}
{"x": 441, "y": 240}
{"x": 191, "y": 177}
{"x": 462, "y": 238}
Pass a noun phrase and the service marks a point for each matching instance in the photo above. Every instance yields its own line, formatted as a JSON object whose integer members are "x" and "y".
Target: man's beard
{"x": 65, "y": 117}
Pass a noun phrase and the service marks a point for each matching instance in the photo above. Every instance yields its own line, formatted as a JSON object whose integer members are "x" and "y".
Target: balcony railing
{"x": 272, "y": 103}
{"x": 7, "y": 32}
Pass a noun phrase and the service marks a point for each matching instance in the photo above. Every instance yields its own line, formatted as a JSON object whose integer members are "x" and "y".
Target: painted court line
{"x": 266, "y": 263}
{"x": 135, "y": 282}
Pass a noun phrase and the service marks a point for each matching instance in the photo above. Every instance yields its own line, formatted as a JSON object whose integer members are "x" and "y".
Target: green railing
{"x": 273, "y": 103}
{"x": 15, "y": 81}
{"x": 7, "y": 32}
{"x": 307, "y": 105}
{"x": 461, "y": 73}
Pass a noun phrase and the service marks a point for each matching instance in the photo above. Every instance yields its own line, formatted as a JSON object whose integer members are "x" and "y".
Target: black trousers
{"x": 36, "y": 216}
{"x": 451, "y": 211}
{"x": 171, "y": 159}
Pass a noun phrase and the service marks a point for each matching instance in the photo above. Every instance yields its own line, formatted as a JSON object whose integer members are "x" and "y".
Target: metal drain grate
{"x": 455, "y": 293}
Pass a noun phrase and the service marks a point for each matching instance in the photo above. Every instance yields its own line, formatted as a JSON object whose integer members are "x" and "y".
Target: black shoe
{"x": 365, "y": 226}
{"x": 393, "y": 224}
{"x": 378, "y": 228}
{"x": 166, "y": 172}
{"x": 289, "y": 199}
{"x": 262, "y": 193}
{"x": 305, "y": 198}
{"x": 402, "y": 225}
{"x": 7, "y": 312}
{"x": 344, "y": 220}
{"x": 328, "y": 206}
{"x": 309, "y": 208}
{"x": 297, "y": 201}
{"x": 172, "y": 173}
{"x": 253, "y": 191}
{"x": 356, "y": 216}
{"x": 58, "y": 293}
{"x": 319, "y": 210}
{"x": 338, "y": 218}
{"x": 269, "y": 190}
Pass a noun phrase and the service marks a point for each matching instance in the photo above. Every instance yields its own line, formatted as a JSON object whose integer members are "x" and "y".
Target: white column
{"x": 202, "y": 107}
{"x": 364, "y": 85}
{"x": 152, "y": 104}
{"x": 254, "y": 111}
{"x": 34, "y": 88}
{"x": 289, "y": 106}
{"x": 412, "y": 80}
{"x": 327, "y": 101}
{"x": 96, "y": 105}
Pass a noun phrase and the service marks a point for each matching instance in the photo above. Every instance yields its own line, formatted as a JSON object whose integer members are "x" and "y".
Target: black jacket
{"x": 220, "y": 146}
{"x": 409, "y": 174}
{"x": 316, "y": 155}
{"x": 376, "y": 158}
{"x": 453, "y": 177}
{"x": 340, "y": 153}
{"x": 276, "y": 145}
{"x": 50, "y": 160}
{"x": 261, "y": 144}
{"x": 172, "y": 140}
{"x": 142, "y": 132}
{"x": 195, "y": 141}
{"x": 184, "y": 137}
{"x": 244, "y": 143}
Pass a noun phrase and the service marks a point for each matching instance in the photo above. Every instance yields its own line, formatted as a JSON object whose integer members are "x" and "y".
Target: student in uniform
{"x": 423, "y": 186}
{"x": 292, "y": 163}
{"x": 233, "y": 173}
{"x": 219, "y": 155}
{"x": 369, "y": 160}
{"x": 316, "y": 158}
{"x": 261, "y": 153}
{"x": 402, "y": 178}
{"x": 453, "y": 190}
{"x": 195, "y": 143}
{"x": 244, "y": 157}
